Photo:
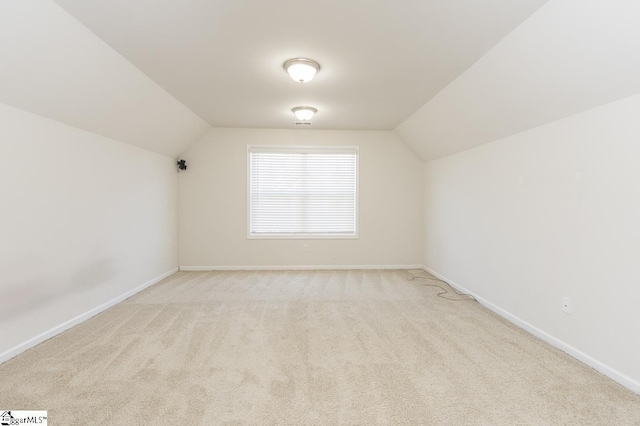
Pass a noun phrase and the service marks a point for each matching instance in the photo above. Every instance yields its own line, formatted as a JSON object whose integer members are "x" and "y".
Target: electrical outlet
{"x": 566, "y": 305}
{"x": 305, "y": 248}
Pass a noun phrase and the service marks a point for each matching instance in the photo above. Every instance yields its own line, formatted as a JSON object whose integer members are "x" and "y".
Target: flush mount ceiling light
{"x": 304, "y": 113}
{"x": 302, "y": 69}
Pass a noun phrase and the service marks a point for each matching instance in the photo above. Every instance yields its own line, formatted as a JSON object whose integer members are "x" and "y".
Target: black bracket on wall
{"x": 182, "y": 165}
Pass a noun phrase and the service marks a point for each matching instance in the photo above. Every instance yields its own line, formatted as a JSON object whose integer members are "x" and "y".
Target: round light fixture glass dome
{"x": 304, "y": 113}
{"x": 301, "y": 69}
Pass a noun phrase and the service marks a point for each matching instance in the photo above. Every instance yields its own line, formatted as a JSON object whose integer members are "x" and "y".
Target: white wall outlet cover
{"x": 566, "y": 305}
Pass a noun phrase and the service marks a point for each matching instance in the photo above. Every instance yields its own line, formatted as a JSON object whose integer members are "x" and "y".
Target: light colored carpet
{"x": 308, "y": 347}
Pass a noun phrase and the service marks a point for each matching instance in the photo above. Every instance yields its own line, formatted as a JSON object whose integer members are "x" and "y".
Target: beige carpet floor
{"x": 308, "y": 347}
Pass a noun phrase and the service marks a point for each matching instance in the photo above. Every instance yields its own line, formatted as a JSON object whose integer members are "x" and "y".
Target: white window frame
{"x": 322, "y": 236}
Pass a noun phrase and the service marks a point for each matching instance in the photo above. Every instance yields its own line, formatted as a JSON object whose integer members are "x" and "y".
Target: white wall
{"x": 213, "y": 203}
{"x": 83, "y": 220}
{"x": 549, "y": 213}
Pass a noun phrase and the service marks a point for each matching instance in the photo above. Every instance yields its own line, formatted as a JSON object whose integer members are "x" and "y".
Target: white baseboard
{"x": 295, "y": 267}
{"x": 7, "y": 355}
{"x": 612, "y": 373}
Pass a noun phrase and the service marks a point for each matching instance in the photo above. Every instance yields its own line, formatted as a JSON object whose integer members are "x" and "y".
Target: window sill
{"x": 302, "y": 237}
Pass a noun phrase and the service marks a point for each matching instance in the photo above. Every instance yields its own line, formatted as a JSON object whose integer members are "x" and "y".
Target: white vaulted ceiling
{"x": 381, "y": 59}
{"x": 446, "y": 75}
{"x": 52, "y": 65}
{"x": 570, "y": 56}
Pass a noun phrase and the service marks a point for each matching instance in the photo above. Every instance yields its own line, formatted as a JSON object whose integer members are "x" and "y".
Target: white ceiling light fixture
{"x": 301, "y": 69}
{"x": 304, "y": 113}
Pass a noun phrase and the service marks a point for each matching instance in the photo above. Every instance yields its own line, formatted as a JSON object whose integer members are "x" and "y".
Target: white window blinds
{"x": 302, "y": 191}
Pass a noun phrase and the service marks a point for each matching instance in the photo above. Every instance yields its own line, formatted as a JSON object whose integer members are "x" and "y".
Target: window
{"x": 302, "y": 191}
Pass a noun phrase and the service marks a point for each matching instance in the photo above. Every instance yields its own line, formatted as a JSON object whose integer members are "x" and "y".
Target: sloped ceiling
{"x": 568, "y": 57}
{"x": 53, "y": 66}
{"x": 381, "y": 59}
{"x": 450, "y": 74}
